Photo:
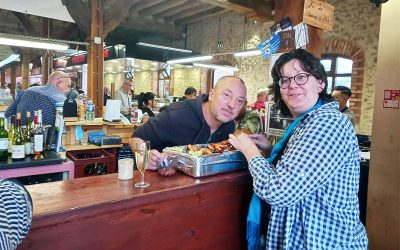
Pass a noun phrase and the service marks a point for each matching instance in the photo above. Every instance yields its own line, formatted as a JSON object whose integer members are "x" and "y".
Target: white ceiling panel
{"x": 45, "y": 8}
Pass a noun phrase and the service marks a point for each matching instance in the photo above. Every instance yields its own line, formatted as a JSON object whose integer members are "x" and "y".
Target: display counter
{"x": 177, "y": 212}
{"x": 97, "y": 125}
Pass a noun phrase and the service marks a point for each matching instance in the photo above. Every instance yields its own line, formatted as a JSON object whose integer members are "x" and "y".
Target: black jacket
{"x": 182, "y": 123}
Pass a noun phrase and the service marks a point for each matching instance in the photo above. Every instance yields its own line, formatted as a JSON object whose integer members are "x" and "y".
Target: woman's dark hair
{"x": 145, "y": 98}
{"x": 309, "y": 64}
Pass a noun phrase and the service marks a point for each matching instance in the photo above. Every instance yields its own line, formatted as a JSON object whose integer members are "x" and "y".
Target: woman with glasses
{"x": 311, "y": 179}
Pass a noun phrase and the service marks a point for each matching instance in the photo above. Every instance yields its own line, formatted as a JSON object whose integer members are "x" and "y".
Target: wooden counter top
{"x": 177, "y": 212}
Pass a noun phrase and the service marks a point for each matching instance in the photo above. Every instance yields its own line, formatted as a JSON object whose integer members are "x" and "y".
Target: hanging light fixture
{"x": 247, "y": 53}
{"x": 215, "y": 66}
{"x": 163, "y": 47}
{"x": 33, "y": 42}
{"x": 190, "y": 59}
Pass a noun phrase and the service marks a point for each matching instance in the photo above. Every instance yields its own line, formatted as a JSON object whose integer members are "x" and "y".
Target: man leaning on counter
{"x": 209, "y": 118}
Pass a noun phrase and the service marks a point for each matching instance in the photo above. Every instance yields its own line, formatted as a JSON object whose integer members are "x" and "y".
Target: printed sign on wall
{"x": 318, "y": 14}
{"x": 391, "y": 98}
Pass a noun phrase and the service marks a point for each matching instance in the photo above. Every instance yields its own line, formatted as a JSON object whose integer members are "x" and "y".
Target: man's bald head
{"x": 60, "y": 81}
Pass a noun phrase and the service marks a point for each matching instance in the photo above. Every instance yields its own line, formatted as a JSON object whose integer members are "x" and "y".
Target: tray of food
{"x": 206, "y": 159}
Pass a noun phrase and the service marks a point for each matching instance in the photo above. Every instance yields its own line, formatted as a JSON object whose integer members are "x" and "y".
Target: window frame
{"x": 332, "y": 73}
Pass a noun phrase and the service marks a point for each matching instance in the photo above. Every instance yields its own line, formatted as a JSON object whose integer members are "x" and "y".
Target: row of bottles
{"x": 21, "y": 142}
{"x": 86, "y": 109}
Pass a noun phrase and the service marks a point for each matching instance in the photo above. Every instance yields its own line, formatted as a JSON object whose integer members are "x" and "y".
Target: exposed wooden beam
{"x": 148, "y": 25}
{"x": 161, "y": 7}
{"x": 201, "y": 18}
{"x": 141, "y": 5}
{"x": 229, "y": 6}
{"x": 176, "y": 10}
{"x": 115, "y": 15}
{"x": 80, "y": 12}
{"x": 26, "y": 24}
{"x": 188, "y": 12}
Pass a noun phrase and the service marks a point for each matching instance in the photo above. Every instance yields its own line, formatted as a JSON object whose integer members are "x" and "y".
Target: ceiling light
{"x": 31, "y": 42}
{"x": 163, "y": 47}
{"x": 247, "y": 53}
{"x": 190, "y": 59}
{"x": 215, "y": 66}
{"x": 9, "y": 59}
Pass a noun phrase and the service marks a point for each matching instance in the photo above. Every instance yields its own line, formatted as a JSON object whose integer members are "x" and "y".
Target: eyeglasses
{"x": 300, "y": 79}
{"x": 61, "y": 77}
{"x": 227, "y": 97}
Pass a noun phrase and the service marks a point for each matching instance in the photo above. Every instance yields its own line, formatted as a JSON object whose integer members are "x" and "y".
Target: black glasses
{"x": 300, "y": 79}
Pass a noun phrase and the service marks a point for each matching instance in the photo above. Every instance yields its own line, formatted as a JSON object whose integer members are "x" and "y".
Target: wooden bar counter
{"x": 177, "y": 212}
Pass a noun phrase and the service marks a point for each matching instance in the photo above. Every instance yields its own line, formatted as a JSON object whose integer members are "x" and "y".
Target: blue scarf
{"x": 254, "y": 214}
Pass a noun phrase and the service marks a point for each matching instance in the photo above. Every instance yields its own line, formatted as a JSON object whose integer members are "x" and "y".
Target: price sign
{"x": 318, "y": 14}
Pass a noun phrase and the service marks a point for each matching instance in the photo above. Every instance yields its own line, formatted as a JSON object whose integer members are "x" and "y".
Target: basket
{"x": 92, "y": 162}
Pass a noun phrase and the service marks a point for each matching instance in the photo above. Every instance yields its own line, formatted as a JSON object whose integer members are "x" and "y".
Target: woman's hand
{"x": 261, "y": 141}
{"x": 244, "y": 144}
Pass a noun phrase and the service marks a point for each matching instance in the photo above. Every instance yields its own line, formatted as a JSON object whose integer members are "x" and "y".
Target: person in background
{"x": 72, "y": 93}
{"x": 262, "y": 98}
{"x": 311, "y": 179}
{"x": 123, "y": 94}
{"x": 190, "y": 93}
{"x": 44, "y": 98}
{"x": 209, "y": 118}
{"x": 107, "y": 94}
{"x": 342, "y": 94}
{"x": 248, "y": 121}
{"x": 147, "y": 102}
{"x": 15, "y": 213}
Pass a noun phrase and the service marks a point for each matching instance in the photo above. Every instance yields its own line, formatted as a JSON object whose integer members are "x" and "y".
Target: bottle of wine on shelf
{"x": 28, "y": 135}
{"x": 11, "y": 132}
{"x": 3, "y": 141}
{"x": 38, "y": 138}
{"x": 18, "y": 143}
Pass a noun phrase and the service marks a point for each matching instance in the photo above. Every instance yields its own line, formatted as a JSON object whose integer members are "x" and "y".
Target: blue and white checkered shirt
{"x": 313, "y": 187}
{"x": 34, "y": 98}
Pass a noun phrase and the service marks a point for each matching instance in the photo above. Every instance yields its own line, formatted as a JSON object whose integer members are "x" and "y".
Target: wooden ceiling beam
{"x": 26, "y": 24}
{"x": 191, "y": 20}
{"x": 176, "y": 10}
{"x": 170, "y": 4}
{"x": 188, "y": 12}
{"x": 229, "y": 6}
{"x": 115, "y": 15}
{"x": 143, "y": 4}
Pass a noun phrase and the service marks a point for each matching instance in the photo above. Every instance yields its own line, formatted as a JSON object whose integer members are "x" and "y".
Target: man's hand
{"x": 153, "y": 156}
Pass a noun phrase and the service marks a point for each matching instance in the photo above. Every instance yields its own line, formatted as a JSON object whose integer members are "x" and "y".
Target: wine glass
{"x": 142, "y": 155}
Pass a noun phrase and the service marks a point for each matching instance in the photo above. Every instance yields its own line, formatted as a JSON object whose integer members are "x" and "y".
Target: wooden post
{"x": 95, "y": 56}
{"x": 13, "y": 76}
{"x": 3, "y": 78}
{"x": 294, "y": 10}
{"x": 26, "y": 58}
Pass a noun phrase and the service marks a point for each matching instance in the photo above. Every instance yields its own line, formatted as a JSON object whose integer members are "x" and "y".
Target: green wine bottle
{"x": 18, "y": 146}
{"x": 3, "y": 141}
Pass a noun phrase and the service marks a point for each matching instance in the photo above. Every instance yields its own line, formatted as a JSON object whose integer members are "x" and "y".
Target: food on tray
{"x": 210, "y": 148}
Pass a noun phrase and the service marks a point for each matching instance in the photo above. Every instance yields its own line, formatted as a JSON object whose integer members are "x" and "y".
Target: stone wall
{"x": 356, "y": 21}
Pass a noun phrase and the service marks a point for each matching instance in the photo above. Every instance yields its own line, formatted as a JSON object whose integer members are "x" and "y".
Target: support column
{"x": 3, "y": 78}
{"x": 95, "y": 56}
{"x": 13, "y": 76}
{"x": 26, "y": 58}
{"x": 294, "y": 9}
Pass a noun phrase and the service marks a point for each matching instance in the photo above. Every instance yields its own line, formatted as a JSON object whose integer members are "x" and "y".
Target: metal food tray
{"x": 205, "y": 165}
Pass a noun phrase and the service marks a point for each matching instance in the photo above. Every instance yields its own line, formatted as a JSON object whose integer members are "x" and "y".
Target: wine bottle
{"x": 28, "y": 135}
{"x": 11, "y": 132}
{"x": 18, "y": 144}
{"x": 3, "y": 141}
{"x": 38, "y": 137}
